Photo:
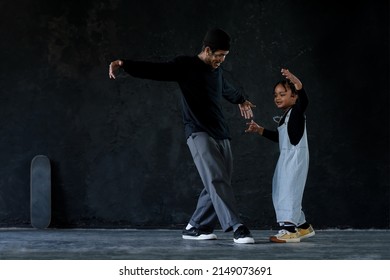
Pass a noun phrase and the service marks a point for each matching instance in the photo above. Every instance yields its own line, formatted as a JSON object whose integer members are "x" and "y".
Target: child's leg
{"x": 290, "y": 227}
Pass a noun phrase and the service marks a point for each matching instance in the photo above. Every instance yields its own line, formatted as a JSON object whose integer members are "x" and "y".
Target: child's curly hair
{"x": 287, "y": 84}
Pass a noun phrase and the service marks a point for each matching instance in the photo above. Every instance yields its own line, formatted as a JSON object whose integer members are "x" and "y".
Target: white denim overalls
{"x": 290, "y": 177}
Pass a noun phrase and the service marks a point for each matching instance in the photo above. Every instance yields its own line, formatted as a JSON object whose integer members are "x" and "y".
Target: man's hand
{"x": 114, "y": 66}
{"x": 246, "y": 109}
{"x": 288, "y": 75}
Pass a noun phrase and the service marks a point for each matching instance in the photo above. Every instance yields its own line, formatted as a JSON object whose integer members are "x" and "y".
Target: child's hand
{"x": 288, "y": 75}
{"x": 254, "y": 127}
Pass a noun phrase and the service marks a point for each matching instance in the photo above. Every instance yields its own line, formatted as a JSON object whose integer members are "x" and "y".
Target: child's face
{"x": 283, "y": 97}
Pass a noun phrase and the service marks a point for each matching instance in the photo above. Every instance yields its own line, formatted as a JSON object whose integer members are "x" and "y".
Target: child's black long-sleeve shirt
{"x": 296, "y": 124}
{"x": 202, "y": 88}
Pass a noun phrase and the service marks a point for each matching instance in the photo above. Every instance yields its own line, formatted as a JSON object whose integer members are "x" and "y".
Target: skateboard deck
{"x": 40, "y": 188}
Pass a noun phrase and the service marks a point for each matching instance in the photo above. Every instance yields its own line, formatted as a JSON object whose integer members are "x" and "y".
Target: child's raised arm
{"x": 288, "y": 75}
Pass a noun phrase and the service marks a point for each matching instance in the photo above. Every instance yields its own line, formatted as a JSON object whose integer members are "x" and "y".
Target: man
{"x": 202, "y": 84}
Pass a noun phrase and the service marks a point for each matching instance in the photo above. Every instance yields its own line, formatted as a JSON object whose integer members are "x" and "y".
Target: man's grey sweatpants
{"x": 214, "y": 161}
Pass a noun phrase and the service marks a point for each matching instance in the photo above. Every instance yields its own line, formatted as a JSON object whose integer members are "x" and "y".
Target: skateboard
{"x": 40, "y": 188}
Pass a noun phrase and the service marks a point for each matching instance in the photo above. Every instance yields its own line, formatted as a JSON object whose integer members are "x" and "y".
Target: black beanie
{"x": 217, "y": 39}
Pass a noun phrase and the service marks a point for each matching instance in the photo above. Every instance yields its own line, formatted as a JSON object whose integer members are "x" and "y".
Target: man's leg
{"x": 213, "y": 167}
{"x": 204, "y": 216}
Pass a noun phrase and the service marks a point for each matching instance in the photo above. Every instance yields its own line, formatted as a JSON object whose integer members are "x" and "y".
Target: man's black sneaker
{"x": 242, "y": 235}
{"x": 197, "y": 234}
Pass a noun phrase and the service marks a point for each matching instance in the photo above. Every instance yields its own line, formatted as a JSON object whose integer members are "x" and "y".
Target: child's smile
{"x": 283, "y": 97}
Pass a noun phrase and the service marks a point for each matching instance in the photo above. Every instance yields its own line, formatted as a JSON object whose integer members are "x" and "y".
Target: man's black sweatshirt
{"x": 202, "y": 89}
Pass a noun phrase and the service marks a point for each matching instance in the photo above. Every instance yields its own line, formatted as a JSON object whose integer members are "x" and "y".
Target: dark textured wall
{"x": 117, "y": 148}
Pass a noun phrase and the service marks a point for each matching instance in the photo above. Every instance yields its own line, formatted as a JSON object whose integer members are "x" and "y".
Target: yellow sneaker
{"x": 284, "y": 236}
{"x": 305, "y": 233}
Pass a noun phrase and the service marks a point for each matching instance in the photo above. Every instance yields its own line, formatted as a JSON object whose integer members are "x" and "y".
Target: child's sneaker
{"x": 305, "y": 233}
{"x": 284, "y": 236}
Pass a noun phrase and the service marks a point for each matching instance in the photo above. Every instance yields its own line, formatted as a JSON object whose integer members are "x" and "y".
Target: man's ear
{"x": 208, "y": 50}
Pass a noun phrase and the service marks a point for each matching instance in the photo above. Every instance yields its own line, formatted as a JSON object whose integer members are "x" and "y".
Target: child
{"x": 291, "y": 171}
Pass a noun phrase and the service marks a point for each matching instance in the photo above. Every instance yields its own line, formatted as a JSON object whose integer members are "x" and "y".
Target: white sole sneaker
{"x": 210, "y": 236}
{"x": 285, "y": 236}
{"x": 245, "y": 240}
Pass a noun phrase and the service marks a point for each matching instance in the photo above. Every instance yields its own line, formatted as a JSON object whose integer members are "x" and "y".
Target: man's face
{"x": 214, "y": 59}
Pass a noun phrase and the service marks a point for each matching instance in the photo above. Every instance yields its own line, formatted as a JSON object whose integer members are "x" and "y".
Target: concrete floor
{"x": 130, "y": 244}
